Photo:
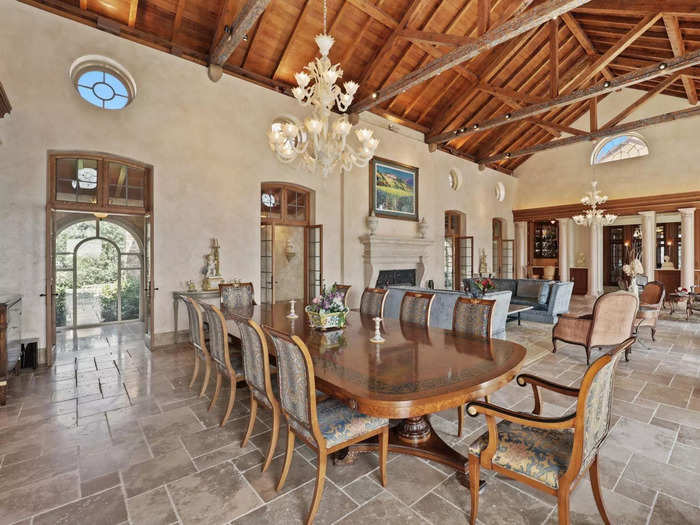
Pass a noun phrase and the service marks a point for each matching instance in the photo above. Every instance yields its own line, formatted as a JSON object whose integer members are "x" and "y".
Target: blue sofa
{"x": 441, "y": 313}
{"x": 548, "y": 298}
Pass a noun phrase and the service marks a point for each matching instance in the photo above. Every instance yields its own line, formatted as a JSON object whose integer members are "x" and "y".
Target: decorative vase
{"x": 633, "y": 287}
{"x": 372, "y": 223}
{"x": 326, "y": 320}
{"x": 422, "y": 228}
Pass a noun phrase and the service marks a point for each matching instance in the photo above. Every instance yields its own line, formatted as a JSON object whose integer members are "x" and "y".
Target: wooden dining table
{"x": 417, "y": 371}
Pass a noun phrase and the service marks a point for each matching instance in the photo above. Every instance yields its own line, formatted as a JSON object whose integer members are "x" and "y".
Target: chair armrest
{"x": 525, "y": 379}
{"x": 560, "y": 297}
{"x": 568, "y": 316}
{"x": 530, "y": 420}
{"x": 572, "y": 329}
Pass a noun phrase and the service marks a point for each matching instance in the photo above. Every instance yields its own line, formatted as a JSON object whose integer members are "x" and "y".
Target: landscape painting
{"x": 393, "y": 189}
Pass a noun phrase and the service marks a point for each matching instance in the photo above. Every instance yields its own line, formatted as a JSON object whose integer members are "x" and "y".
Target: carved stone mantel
{"x": 382, "y": 252}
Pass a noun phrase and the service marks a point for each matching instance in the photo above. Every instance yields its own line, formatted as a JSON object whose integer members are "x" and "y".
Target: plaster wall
{"x": 207, "y": 144}
{"x": 289, "y": 272}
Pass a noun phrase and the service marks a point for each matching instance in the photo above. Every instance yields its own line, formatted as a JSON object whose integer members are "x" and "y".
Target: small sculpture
{"x": 483, "y": 264}
{"x": 290, "y": 250}
{"x": 667, "y": 264}
{"x": 191, "y": 287}
{"x": 372, "y": 223}
{"x": 292, "y": 314}
{"x": 377, "y": 338}
{"x": 422, "y": 228}
{"x": 212, "y": 275}
{"x": 211, "y": 266}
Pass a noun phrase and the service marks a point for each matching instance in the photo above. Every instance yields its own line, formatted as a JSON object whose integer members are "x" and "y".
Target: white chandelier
{"x": 320, "y": 145}
{"x": 594, "y": 215}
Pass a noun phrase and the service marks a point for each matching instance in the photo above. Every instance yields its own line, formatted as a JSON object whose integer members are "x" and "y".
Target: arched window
{"x": 619, "y": 147}
{"x": 102, "y": 82}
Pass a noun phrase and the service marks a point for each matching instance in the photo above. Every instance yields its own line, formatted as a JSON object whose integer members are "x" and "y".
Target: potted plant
{"x": 328, "y": 310}
{"x": 484, "y": 285}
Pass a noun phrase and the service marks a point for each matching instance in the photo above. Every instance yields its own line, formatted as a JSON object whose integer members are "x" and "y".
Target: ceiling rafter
{"x": 675, "y": 36}
{"x": 642, "y": 7}
{"x": 431, "y": 37}
{"x": 583, "y": 39}
{"x": 133, "y": 9}
{"x": 554, "y": 57}
{"x": 225, "y": 18}
{"x": 483, "y": 14}
{"x": 365, "y": 27}
{"x": 177, "y": 21}
{"x": 290, "y": 41}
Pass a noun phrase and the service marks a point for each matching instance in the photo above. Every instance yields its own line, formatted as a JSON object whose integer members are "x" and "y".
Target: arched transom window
{"x": 619, "y": 147}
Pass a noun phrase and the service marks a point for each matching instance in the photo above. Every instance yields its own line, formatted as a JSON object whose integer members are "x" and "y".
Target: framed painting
{"x": 393, "y": 189}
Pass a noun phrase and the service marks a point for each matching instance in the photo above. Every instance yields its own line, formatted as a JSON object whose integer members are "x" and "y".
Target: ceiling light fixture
{"x": 594, "y": 215}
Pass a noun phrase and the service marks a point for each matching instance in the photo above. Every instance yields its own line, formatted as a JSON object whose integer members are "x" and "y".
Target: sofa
{"x": 441, "y": 312}
{"x": 547, "y": 298}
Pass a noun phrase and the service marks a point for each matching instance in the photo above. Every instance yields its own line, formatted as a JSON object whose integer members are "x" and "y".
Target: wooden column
{"x": 687, "y": 265}
{"x": 564, "y": 249}
{"x": 649, "y": 243}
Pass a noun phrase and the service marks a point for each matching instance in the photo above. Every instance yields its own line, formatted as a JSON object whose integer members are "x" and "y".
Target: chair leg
{"x": 383, "y": 453}
{"x": 274, "y": 438}
{"x": 207, "y": 373}
{"x": 251, "y": 422}
{"x": 588, "y": 356}
{"x": 216, "y": 390}
{"x": 460, "y": 419}
{"x": 318, "y": 491}
{"x": 653, "y": 334}
{"x": 563, "y": 505}
{"x": 474, "y": 471}
{"x": 595, "y": 485}
{"x": 196, "y": 369}
{"x": 554, "y": 346}
{"x": 231, "y": 399}
{"x": 287, "y": 459}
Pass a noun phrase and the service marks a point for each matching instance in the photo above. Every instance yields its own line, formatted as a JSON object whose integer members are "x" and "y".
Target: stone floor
{"x": 111, "y": 434}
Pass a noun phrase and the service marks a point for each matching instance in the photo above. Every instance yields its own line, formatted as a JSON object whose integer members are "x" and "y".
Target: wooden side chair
{"x": 236, "y": 295}
{"x": 343, "y": 289}
{"x": 471, "y": 317}
{"x": 256, "y": 364}
{"x": 415, "y": 308}
{"x": 610, "y": 324}
{"x": 372, "y": 302}
{"x": 549, "y": 453}
{"x": 327, "y": 427}
{"x": 194, "y": 313}
{"x": 226, "y": 364}
{"x": 650, "y": 302}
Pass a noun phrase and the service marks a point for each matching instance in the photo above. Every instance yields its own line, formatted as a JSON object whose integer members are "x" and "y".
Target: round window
{"x": 102, "y": 82}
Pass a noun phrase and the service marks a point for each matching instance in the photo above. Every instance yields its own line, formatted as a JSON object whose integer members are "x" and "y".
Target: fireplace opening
{"x": 388, "y": 278}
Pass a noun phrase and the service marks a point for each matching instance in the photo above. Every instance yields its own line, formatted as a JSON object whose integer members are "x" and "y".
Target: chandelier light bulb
{"x": 342, "y": 127}
{"x": 372, "y": 143}
{"x": 324, "y": 43}
{"x": 302, "y": 79}
{"x": 298, "y": 93}
{"x": 313, "y": 125}
{"x": 331, "y": 76}
{"x": 290, "y": 130}
{"x": 351, "y": 87}
{"x": 363, "y": 135}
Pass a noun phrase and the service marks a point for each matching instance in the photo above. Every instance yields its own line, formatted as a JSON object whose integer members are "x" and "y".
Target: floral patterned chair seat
{"x": 540, "y": 454}
{"x": 339, "y": 423}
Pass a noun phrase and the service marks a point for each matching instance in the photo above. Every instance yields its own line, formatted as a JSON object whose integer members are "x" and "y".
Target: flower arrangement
{"x": 484, "y": 285}
{"x": 630, "y": 269}
{"x": 327, "y": 310}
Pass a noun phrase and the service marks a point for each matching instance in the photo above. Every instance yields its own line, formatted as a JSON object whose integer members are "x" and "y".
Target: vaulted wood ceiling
{"x": 381, "y": 42}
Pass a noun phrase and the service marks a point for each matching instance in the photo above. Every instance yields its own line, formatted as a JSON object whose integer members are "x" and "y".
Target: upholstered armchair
{"x": 550, "y": 454}
{"x": 610, "y": 324}
{"x": 650, "y": 302}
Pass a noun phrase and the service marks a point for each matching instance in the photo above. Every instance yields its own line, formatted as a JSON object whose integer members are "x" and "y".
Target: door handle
{"x": 44, "y": 295}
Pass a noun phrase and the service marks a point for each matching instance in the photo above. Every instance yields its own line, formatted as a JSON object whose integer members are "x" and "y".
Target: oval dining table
{"x": 417, "y": 371}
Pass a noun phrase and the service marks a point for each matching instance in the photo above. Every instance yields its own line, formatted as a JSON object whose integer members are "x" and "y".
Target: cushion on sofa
{"x": 504, "y": 285}
{"x": 532, "y": 288}
{"x": 528, "y": 301}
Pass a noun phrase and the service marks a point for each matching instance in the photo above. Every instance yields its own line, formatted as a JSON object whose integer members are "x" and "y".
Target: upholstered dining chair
{"x": 650, "y": 302}
{"x": 343, "y": 289}
{"x": 236, "y": 295}
{"x": 415, "y": 308}
{"x": 549, "y": 453}
{"x": 227, "y": 364}
{"x": 610, "y": 324}
{"x": 256, "y": 365}
{"x": 327, "y": 427}
{"x": 471, "y": 317}
{"x": 372, "y": 301}
{"x": 194, "y": 313}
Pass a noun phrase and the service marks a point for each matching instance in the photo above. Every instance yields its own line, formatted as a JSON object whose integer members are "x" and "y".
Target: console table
{"x": 199, "y": 294}
{"x": 10, "y": 338}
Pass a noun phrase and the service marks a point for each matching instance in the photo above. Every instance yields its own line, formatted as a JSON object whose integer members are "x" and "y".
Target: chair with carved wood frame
{"x": 256, "y": 365}
{"x": 471, "y": 317}
{"x": 327, "y": 427}
{"x": 227, "y": 364}
{"x": 236, "y": 295}
{"x": 611, "y": 322}
{"x": 344, "y": 289}
{"x": 194, "y": 313}
{"x": 372, "y": 301}
{"x": 650, "y": 302}
{"x": 550, "y": 454}
{"x": 415, "y": 308}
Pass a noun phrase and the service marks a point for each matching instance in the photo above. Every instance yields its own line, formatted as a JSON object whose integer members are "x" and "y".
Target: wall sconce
{"x": 627, "y": 243}
{"x": 669, "y": 243}
{"x": 290, "y": 251}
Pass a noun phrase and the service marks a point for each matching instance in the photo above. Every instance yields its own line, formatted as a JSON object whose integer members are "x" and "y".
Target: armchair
{"x": 610, "y": 324}
{"x": 650, "y": 302}
{"x": 549, "y": 453}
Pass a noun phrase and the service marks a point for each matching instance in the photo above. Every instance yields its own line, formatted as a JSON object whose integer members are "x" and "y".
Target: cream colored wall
{"x": 208, "y": 147}
{"x": 289, "y": 272}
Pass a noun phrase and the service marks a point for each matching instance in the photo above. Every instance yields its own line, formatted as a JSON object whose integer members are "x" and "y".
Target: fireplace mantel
{"x": 383, "y": 252}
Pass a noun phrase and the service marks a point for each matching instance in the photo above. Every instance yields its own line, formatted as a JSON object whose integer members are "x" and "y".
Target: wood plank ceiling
{"x": 380, "y": 42}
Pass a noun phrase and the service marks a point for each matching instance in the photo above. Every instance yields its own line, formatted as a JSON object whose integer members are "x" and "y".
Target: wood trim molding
{"x": 5, "y": 106}
{"x": 629, "y": 206}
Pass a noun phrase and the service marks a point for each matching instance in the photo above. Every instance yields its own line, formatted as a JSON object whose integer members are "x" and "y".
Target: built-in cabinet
{"x": 10, "y": 338}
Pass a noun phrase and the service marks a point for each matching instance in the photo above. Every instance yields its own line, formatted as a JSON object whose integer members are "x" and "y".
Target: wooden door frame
{"x": 307, "y": 245}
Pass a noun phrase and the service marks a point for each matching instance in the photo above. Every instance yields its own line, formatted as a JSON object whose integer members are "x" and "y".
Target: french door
{"x": 149, "y": 289}
{"x": 313, "y": 263}
{"x": 465, "y": 260}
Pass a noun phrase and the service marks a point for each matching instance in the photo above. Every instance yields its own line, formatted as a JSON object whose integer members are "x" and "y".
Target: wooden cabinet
{"x": 579, "y": 276}
{"x": 10, "y": 338}
{"x": 671, "y": 279}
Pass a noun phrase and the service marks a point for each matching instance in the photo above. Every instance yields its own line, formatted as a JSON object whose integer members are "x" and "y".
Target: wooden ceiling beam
{"x": 583, "y": 39}
{"x": 635, "y": 77}
{"x": 133, "y": 9}
{"x": 622, "y": 115}
{"x": 430, "y": 37}
{"x": 290, "y": 41}
{"x": 675, "y": 36}
{"x": 593, "y": 114}
{"x": 483, "y": 14}
{"x": 642, "y": 7}
{"x": 375, "y": 12}
{"x": 237, "y": 32}
{"x": 554, "y": 58}
{"x": 177, "y": 21}
{"x": 83, "y": 4}
{"x": 224, "y": 19}
{"x": 502, "y": 33}
{"x": 622, "y": 128}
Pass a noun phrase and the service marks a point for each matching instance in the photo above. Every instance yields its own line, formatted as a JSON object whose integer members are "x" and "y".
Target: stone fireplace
{"x": 394, "y": 260}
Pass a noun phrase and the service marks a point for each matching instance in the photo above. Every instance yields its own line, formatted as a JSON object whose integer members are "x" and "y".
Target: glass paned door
{"x": 314, "y": 261}
{"x": 127, "y": 305}
{"x": 267, "y": 240}
{"x": 50, "y": 291}
{"x": 507, "y": 260}
{"x": 465, "y": 246}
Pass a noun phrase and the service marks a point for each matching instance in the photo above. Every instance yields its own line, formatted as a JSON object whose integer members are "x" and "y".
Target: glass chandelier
{"x": 321, "y": 145}
{"x": 594, "y": 215}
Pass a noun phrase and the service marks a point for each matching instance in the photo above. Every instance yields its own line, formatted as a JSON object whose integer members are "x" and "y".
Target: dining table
{"x": 415, "y": 372}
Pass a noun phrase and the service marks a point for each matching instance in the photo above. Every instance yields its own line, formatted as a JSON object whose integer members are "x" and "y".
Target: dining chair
{"x": 611, "y": 322}
{"x": 372, "y": 301}
{"x": 471, "y": 317}
{"x": 328, "y": 426}
{"x": 550, "y": 454}
{"x": 256, "y": 366}
{"x": 194, "y": 313}
{"x": 650, "y": 302}
{"x": 236, "y": 295}
{"x": 415, "y": 308}
{"x": 343, "y": 289}
{"x": 227, "y": 364}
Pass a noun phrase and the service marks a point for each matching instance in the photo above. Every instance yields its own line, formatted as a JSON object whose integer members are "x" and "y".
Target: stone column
{"x": 564, "y": 248}
{"x": 521, "y": 249}
{"x": 571, "y": 227}
{"x": 649, "y": 243}
{"x": 595, "y": 261}
{"x": 687, "y": 262}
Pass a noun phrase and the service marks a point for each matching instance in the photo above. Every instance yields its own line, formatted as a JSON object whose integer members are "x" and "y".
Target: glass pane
{"x": 68, "y": 238}
{"x": 271, "y": 203}
{"x": 97, "y": 282}
{"x": 296, "y": 206}
{"x": 120, "y": 235}
{"x": 131, "y": 261}
{"x": 64, "y": 261}
{"x": 76, "y": 180}
{"x": 449, "y": 262}
{"x": 266, "y": 263}
{"x": 131, "y": 294}
{"x": 64, "y": 298}
{"x": 126, "y": 185}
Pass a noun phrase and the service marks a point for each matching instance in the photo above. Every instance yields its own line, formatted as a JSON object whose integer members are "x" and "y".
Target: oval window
{"x": 102, "y": 82}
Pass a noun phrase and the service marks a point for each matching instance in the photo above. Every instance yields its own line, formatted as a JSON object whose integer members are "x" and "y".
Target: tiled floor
{"x": 112, "y": 434}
